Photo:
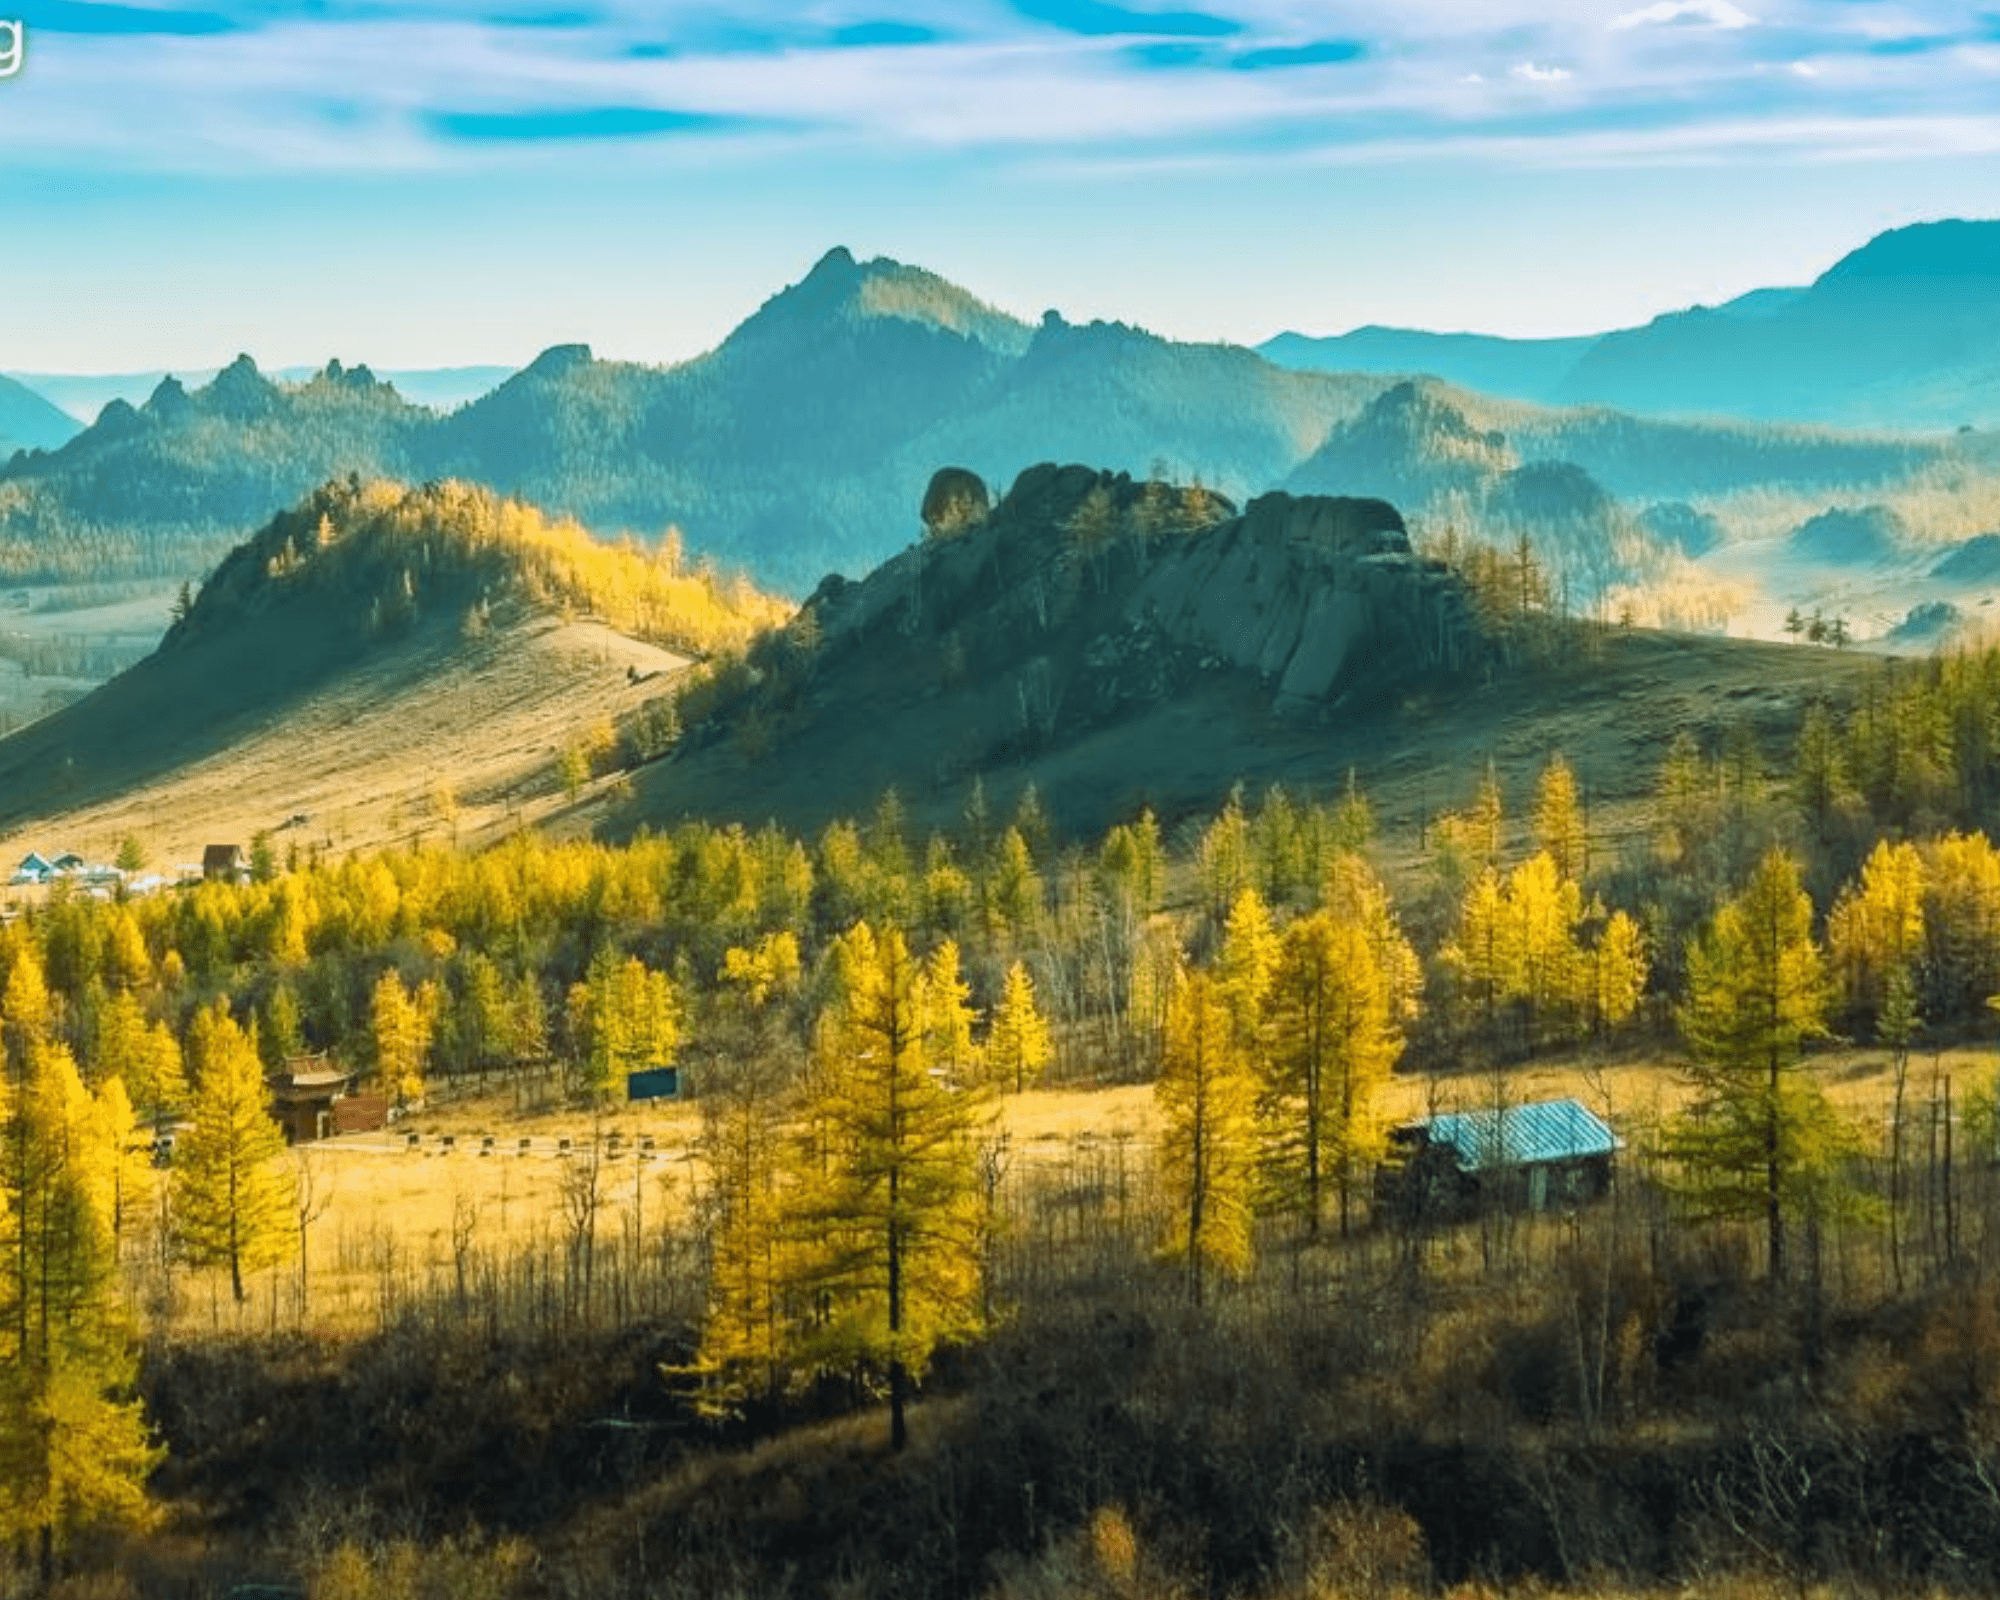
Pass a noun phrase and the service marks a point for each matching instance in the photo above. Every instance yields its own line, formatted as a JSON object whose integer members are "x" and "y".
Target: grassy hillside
{"x": 384, "y": 660}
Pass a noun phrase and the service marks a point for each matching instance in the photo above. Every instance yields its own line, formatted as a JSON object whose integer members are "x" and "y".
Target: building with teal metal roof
{"x": 1549, "y": 1152}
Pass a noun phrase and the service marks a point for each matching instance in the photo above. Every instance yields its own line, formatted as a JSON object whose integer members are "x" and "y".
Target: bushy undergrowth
{"x": 1598, "y": 1405}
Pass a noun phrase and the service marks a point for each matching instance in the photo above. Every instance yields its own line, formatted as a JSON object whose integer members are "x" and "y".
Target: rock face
{"x": 1309, "y": 593}
{"x": 1088, "y": 593}
{"x": 955, "y": 500}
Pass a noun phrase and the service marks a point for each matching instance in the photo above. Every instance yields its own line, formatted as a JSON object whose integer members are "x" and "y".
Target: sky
{"x": 431, "y": 182}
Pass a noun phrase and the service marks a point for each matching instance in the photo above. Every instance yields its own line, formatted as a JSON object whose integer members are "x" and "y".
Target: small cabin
{"x": 1528, "y": 1157}
{"x": 307, "y": 1095}
{"x": 34, "y": 868}
{"x": 225, "y": 863}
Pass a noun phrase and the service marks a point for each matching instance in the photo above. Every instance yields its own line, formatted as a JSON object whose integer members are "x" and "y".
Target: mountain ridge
{"x": 799, "y": 444}
{"x": 1894, "y": 333}
{"x": 30, "y": 421}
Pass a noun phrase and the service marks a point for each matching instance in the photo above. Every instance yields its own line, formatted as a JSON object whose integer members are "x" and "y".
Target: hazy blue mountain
{"x": 1759, "y": 303}
{"x": 1901, "y": 332}
{"x": 1409, "y": 445}
{"x": 83, "y": 395}
{"x": 1514, "y": 369}
{"x": 1517, "y": 369}
{"x": 159, "y": 488}
{"x": 1117, "y": 394}
{"x": 803, "y": 443}
{"x": 1680, "y": 526}
{"x": 28, "y": 421}
{"x": 1850, "y": 536}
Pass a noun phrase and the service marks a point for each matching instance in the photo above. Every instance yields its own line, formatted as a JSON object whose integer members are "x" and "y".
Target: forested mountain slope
{"x": 798, "y": 445}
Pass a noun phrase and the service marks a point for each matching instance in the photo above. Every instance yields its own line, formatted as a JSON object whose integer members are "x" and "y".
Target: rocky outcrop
{"x": 1312, "y": 592}
{"x": 955, "y": 501}
{"x": 1092, "y": 593}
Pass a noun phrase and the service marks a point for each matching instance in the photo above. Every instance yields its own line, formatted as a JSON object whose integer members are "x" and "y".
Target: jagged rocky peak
{"x": 169, "y": 400}
{"x": 240, "y": 392}
{"x": 117, "y": 420}
{"x": 359, "y": 377}
{"x": 841, "y": 291}
{"x": 836, "y": 266}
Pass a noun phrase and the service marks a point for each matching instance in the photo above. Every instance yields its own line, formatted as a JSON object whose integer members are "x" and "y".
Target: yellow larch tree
{"x": 1354, "y": 894}
{"x": 1616, "y": 967}
{"x": 1481, "y": 956}
{"x": 401, "y": 1024}
{"x": 141, "y": 1054}
{"x": 626, "y": 1019}
{"x": 1243, "y": 972}
{"x": 1559, "y": 826}
{"x": 949, "y": 1017}
{"x": 1961, "y": 923}
{"x": 1333, "y": 1046}
{"x": 1207, "y": 1097}
{"x": 75, "y": 1450}
{"x": 1544, "y": 908}
{"x": 1875, "y": 932}
{"x": 891, "y": 1207}
{"x": 1760, "y": 1139}
{"x": 232, "y": 1198}
{"x": 747, "y": 1334}
{"x": 1017, "y": 1044}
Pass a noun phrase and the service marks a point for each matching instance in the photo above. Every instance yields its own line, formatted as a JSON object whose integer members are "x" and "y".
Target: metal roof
{"x": 1548, "y": 1130}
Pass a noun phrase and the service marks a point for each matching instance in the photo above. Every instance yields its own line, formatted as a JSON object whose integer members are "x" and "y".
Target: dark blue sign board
{"x": 657, "y": 1083}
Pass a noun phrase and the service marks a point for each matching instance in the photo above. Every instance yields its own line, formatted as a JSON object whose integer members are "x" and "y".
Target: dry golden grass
{"x": 414, "y": 1213}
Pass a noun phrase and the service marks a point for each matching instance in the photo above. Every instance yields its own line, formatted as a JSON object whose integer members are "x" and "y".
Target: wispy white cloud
{"x": 1685, "y": 13}
{"x": 436, "y": 83}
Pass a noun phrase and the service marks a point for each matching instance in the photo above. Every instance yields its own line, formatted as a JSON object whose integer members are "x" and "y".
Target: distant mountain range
{"x": 1902, "y": 333}
{"x": 82, "y": 396}
{"x": 29, "y": 422}
{"x": 802, "y": 444}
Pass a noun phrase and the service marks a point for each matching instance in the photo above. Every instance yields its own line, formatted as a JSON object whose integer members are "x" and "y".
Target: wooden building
{"x": 310, "y": 1100}
{"x": 1527, "y": 1157}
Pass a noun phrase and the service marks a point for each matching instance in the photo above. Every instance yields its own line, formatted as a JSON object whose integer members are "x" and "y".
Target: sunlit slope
{"x": 381, "y": 660}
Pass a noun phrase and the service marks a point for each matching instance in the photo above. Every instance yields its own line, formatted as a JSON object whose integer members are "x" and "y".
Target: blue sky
{"x": 413, "y": 182}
